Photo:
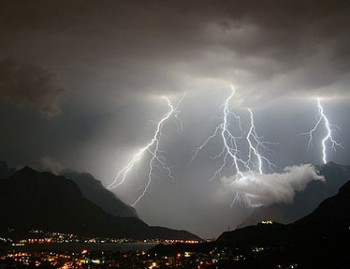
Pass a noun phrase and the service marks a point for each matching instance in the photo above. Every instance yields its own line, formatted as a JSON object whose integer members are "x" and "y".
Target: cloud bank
{"x": 267, "y": 189}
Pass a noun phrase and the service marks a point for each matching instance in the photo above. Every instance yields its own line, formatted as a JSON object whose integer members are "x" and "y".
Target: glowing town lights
{"x": 266, "y": 222}
{"x": 321, "y": 117}
{"x": 153, "y": 149}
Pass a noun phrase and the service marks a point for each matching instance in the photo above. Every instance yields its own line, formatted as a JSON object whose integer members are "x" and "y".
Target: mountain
{"x": 41, "y": 200}
{"x": 319, "y": 240}
{"x": 330, "y": 221}
{"x": 93, "y": 190}
{"x": 331, "y": 218}
{"x": 305, "y": 201}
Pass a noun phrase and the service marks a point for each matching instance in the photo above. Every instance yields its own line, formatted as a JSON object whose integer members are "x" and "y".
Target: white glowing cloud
{"x": 267, "y": 189}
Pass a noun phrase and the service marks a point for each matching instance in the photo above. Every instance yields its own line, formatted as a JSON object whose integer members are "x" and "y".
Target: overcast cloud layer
{"x": 96, "y": 71}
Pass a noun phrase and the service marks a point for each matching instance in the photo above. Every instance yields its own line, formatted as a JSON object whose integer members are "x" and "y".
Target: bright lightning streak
{"x": 253, "y": 136}
{"x": 229, "y": 140}
{"x": 153, "y": 149}
{"x": 243, "y": 170}
{"x": 230, "y": 150}
{"x": 329, "y": 135}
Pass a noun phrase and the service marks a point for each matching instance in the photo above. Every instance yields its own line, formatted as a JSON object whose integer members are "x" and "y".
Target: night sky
{"x": 81, "y": 86}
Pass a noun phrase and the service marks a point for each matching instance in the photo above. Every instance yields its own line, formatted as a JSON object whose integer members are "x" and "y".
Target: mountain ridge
{"x": 93, "y": 189}
{"x": 41, "y": 200}
{"x": 329, "y": 220}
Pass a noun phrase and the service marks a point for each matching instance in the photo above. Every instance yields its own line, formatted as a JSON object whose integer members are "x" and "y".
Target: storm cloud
{"x": 159, "y": 47}
{"x": 117, "y": 58}
{"x": 30, "y": 84}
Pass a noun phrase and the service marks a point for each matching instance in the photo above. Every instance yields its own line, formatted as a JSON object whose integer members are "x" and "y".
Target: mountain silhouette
{"x": 319, "y": 240}
{"x": 41, "y": 200}
{"x": 331, "y": 219}
{"x": 93, "y": 190}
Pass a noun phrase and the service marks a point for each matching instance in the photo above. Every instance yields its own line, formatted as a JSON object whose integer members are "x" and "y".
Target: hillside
{"x": 330, "y": 221}
{"x": 93, "y": 190}
{"x": 319, "y": 240}
{"x": 34, "y": 200}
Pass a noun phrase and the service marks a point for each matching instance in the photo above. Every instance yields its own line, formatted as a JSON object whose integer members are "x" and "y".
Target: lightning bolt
{"x": 254, "y": 138}
{"x": 321, "y": 117}
{"x": 227, "y": 130}
{"x": 229, "y": 150}
{"x": 153, "y": 149}
{"x": 229, "y": 140}
{"x": 252, "y": 135}
{"x": 230, "y": 132}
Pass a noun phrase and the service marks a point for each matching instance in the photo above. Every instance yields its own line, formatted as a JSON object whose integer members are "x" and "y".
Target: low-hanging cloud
{"x": 267, "y": 189}
{"x": 51, "y": 165}
{"x": 27, "y": 83}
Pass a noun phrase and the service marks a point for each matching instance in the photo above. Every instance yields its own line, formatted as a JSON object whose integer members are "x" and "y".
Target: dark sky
{"x": 81, "y": 81}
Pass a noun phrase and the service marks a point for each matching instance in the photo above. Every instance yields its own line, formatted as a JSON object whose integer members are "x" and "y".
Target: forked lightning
{"x": 153, "y": 149}
{"x": 231, "y": 133}
{"x": 321, "y": 117}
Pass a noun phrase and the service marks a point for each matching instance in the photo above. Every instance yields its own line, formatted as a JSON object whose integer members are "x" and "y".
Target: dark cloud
{"x": 30, "y": 84}
{"x": 164, "y": 46}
